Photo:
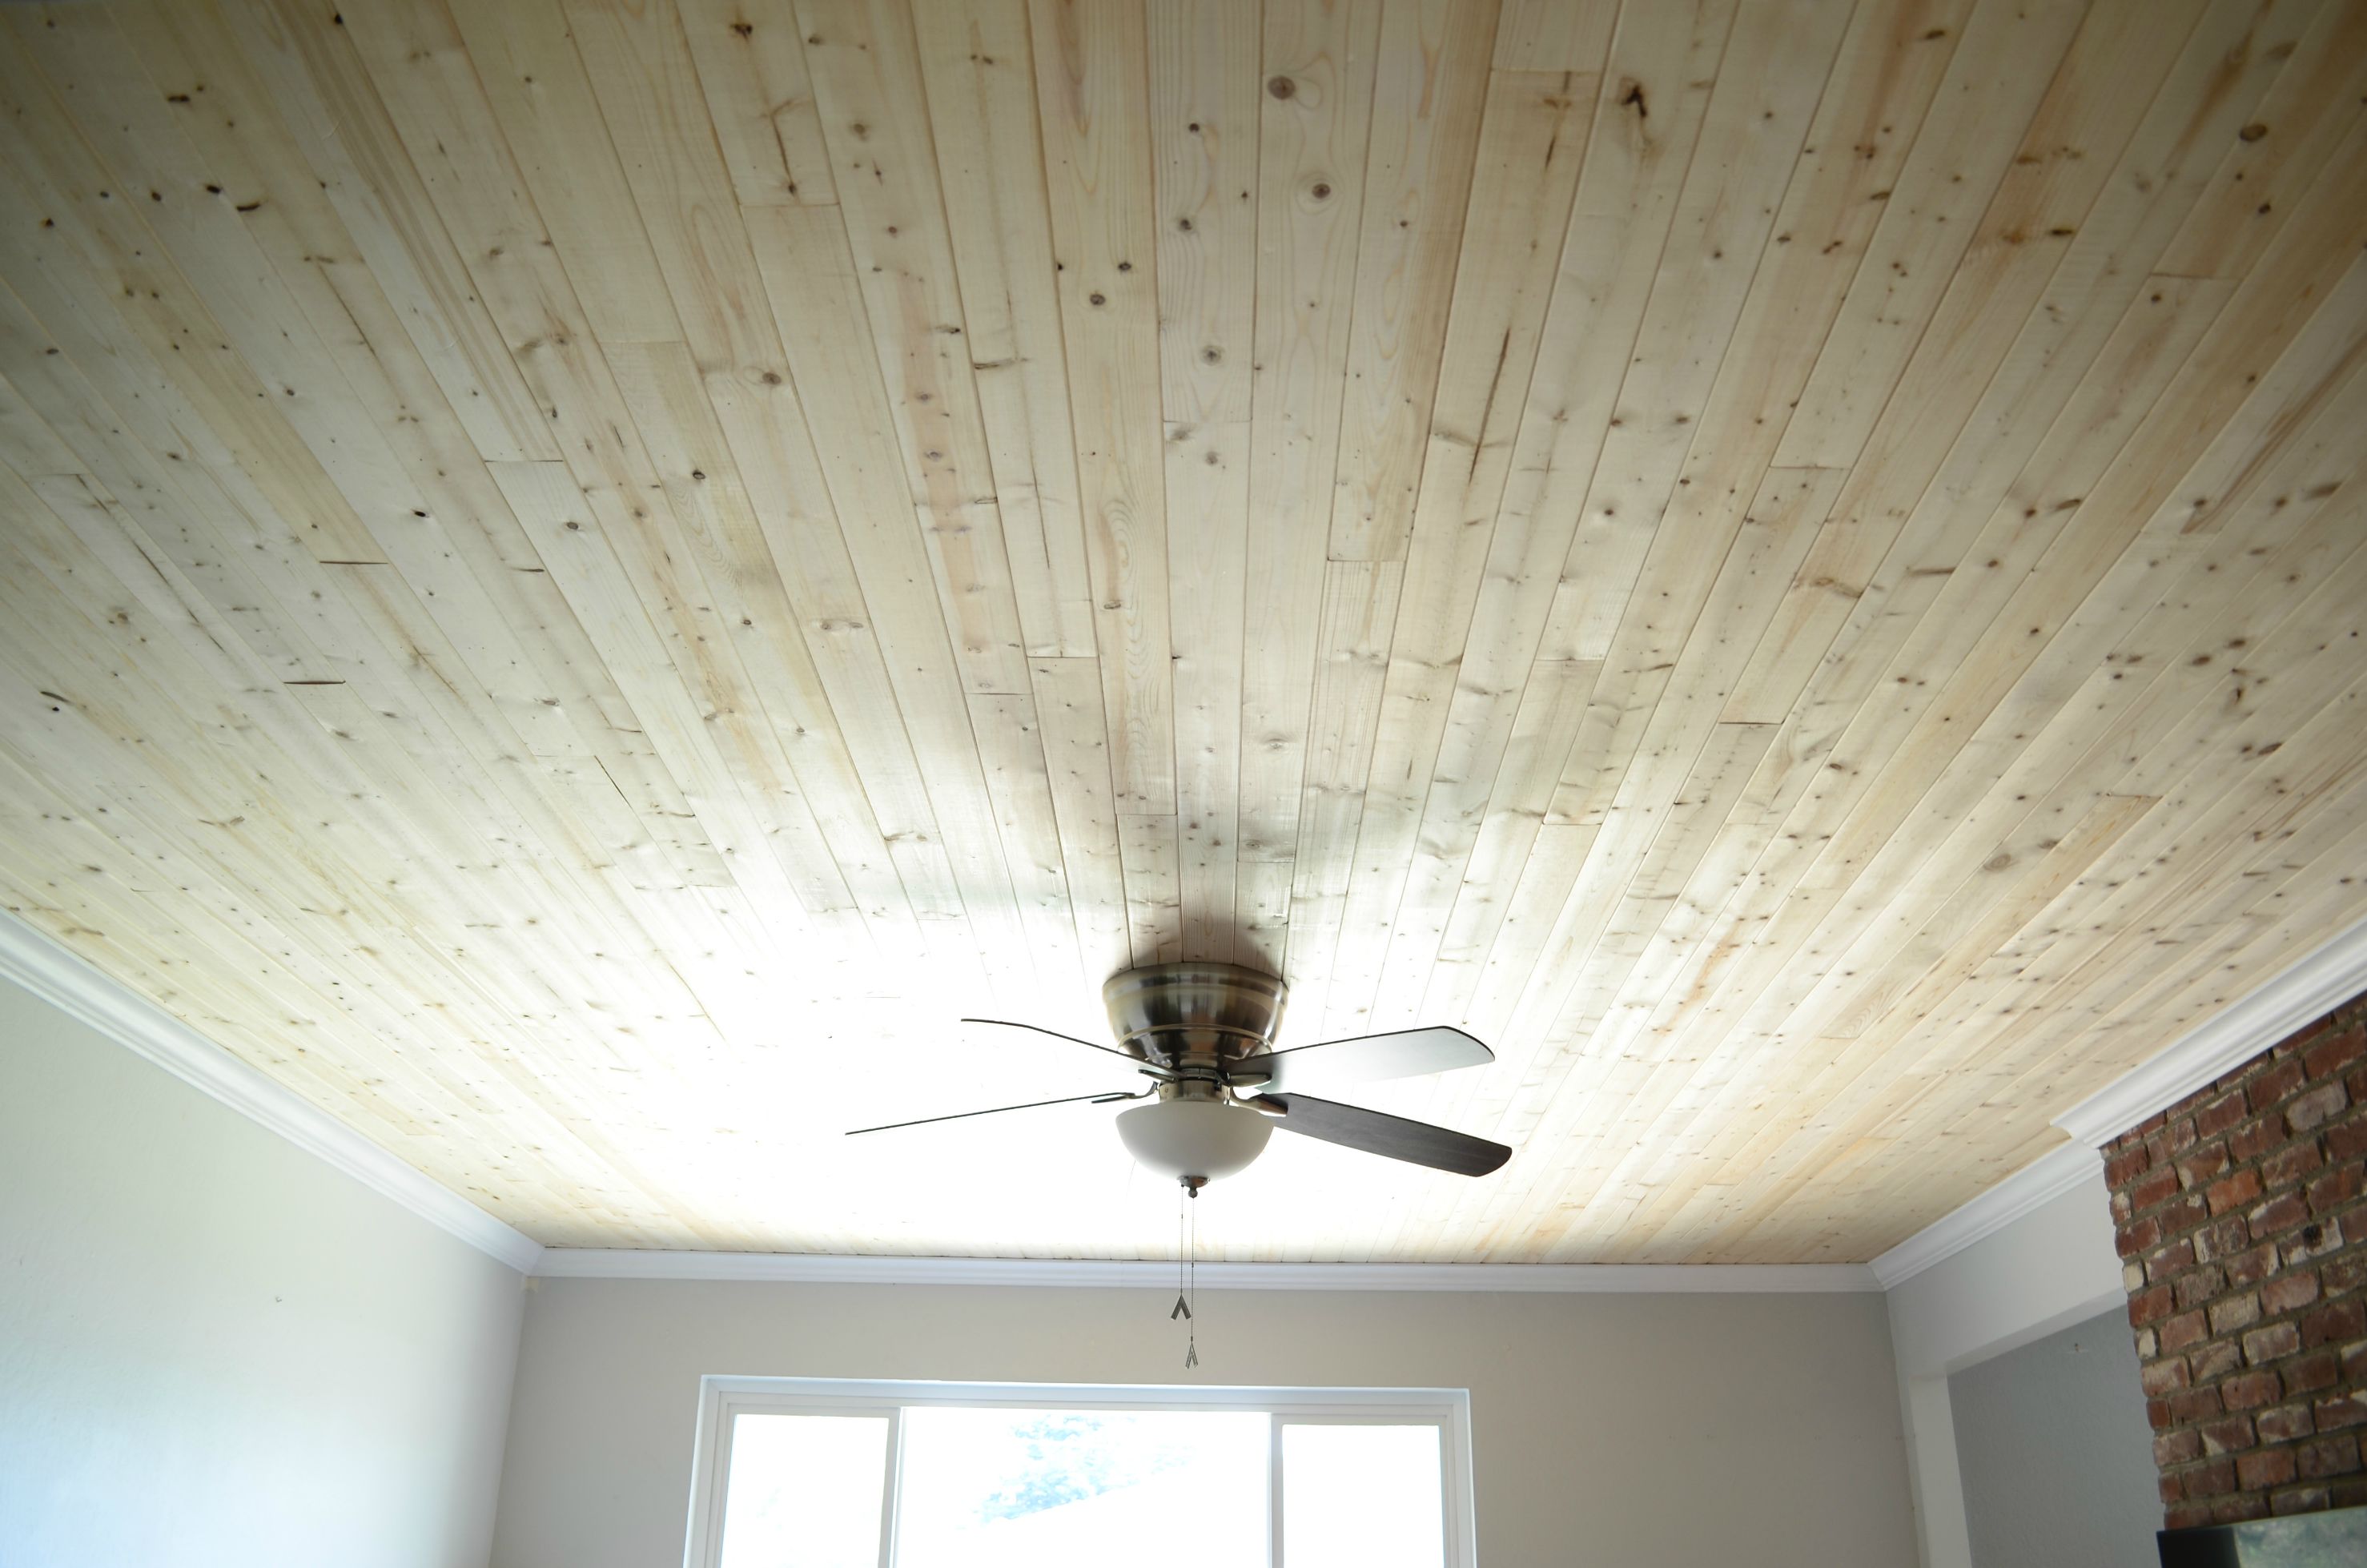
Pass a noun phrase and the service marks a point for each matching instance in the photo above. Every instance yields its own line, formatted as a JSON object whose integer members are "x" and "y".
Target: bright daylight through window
{"x": 806, "y": 1473}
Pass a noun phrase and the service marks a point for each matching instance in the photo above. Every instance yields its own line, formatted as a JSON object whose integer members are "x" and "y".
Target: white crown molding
{"x": 2320, "y": 982}
{"x": 1568, "y": 1279}
{"x": 2046, "y": 1178}
{"x": 65, "y": 982}
{"x": 2329, "y": 976}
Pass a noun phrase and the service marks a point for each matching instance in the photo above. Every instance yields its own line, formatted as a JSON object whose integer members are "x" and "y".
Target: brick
{"x": 2280, "y": 1083}
{"x": 2255, "y": 1137}
{"x": 2289, "y": 1165}
{"x": 2123, "y": 1210}
{"x": 2230, "y": 1433}
{"x": 2264, "y": 1468}
{"x": 2182, "y": 1135}
{"x": 2313, "y": 1241}
{"x": 2221, "y": 1114}
{"x": 2177, "y": 1447}
{"x": 2337, "y": 1455}
{"x": 2346, "y": 1492}
{"x": 2316, "y": 1107}
{"x": 2354, "y": 1365}
{"x": 2215, "y": 1359}
{"x": 2284, "y": 1424}
{"x": 2343, "y": 1410}
{"x": 2170, "y": 1491}
{"x": 2249, "y": 1390}
{"x": 2185, "y": 1329}
{"x": 2204, "y": 1165}
{"x": 2153, "y": 1187}
{"x": 2152, "y": 1306}
{"x": 2185, "y": 1515}
{"x": 2307, "y": 1374}
{"x": 2183, "y": 1213}
{"x": 2157, "y": 1416}
{"x": 2165, "y": 1376}
{"x": 2138, "y": 1238}
{"x": 2233, "y": 1191}
{"x": 2195, "y": 1404}
{"x": 2300, "y": 1500}
{"x": 2278, "y": 1214}
{"x": 2196, "y": 1286}
{"x": 2223, "y": 1236}
{"x": 2240, "y": 1312}
{"x": 2252, "y": 1266}
{"x": 2174, "y": 1257}
{"x": 2336, "y": 1051}
{"x": 2239, "y": 1508}
{"x": 2335, "y": 1320}
{"x": 2146, "y": 1346}
{"x": 2288, "y": 1294}
{"x": 2126, "y": 1165}
{"x": 2337, "y": 1189}
{"x": 2345, "y": 1273}
{"x": 2216, "y": 1479}
{"x": 2265, "y": 1345}
{"x": 2346, "y": 1140}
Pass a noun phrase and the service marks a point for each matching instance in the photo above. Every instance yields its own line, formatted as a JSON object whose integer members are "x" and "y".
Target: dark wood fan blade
{"x": 1392, "y": 1137}
{"x": 998, "y": 1111}
{"x": 1337, "y": 1063}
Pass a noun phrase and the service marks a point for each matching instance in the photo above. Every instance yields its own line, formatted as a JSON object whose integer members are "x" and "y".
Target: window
{"x": 799, "y": 1473}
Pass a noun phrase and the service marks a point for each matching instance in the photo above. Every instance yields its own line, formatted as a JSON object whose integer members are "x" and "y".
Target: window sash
{"x": 722, "y": 1399}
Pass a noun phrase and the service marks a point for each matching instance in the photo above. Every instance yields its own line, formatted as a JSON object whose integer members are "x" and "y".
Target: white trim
{"x": 804, "y": 1268}
{"x": 2049, "y": 1176}
{"x": 2328, "y": 977}
{"x": 67, "y": 983}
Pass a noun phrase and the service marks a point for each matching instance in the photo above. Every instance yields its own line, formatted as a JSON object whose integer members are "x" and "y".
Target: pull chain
{"x": 1188, "y": 1250}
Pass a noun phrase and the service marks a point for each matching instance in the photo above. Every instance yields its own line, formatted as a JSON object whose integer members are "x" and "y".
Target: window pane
{"x": 1362, "y": 1497}
{"x": 804, "y": 1491}
{"x": 1081, "y": 1489}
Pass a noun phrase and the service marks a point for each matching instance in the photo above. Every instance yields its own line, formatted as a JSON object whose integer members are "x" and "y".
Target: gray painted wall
{"x": 1608, "y": 1431}
{"x": 2056, "y": 1454}
{"x": 215, "y": 1349}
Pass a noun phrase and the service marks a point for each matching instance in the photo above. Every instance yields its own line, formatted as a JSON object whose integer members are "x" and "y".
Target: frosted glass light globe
{"x": 1182, "y": 1138}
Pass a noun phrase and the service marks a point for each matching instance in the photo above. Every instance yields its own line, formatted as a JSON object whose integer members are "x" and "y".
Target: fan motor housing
{"x": 1194, "y": 1015}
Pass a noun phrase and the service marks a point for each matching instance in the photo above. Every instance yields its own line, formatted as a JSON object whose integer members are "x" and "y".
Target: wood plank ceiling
{"x": 582, "y": 576}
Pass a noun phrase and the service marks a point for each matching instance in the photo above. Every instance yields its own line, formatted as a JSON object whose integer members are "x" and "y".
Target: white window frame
{"x": 721, "y": 1400}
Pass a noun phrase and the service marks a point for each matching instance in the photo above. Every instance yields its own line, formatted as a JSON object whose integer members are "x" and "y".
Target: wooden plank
{"x": 1429, "y": 89}
{"x": 1314, "y": 117}
{"x": 1090, "y": 63}
{"x": 760, "y": 100}
{"x": 975, "y": 61}
{"x": 1205, "y": 86}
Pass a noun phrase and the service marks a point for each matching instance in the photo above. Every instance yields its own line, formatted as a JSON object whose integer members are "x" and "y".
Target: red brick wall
{"x": 2243, "y": 1236}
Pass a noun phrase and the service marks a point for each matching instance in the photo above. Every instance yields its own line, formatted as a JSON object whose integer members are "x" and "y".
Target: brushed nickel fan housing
{"x": 1196, "y": 1019}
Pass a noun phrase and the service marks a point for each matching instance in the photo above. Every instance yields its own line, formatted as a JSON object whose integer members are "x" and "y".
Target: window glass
{"x": 986, "y": 1488}
{"x": 1356, "y": 1496}
{"x": 804, "y": 1491}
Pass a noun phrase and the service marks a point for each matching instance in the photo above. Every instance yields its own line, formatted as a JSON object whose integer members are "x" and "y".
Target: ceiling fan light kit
{"x": 1205, "y": 1032}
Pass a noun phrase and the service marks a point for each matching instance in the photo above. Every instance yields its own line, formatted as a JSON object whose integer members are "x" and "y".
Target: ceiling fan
{"x": 1204, "y": 1033}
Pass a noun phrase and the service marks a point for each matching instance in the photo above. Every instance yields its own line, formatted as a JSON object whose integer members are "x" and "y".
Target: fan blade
{"x": 1392, "y": 1137}
{"x": 998, "y": 1111}
{"x": 1336, "y": 1063}
{"x": 1159, "y": 1073}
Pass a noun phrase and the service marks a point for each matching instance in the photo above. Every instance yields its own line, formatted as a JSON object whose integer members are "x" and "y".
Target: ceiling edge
{"x": 2049, "y": 1176}
{"x": 2311, "y": 988}
{"x": 65, "y": 982}
{"x": 1561, "y": 1278}
{"x": 2317, "y": 984}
